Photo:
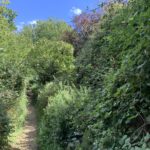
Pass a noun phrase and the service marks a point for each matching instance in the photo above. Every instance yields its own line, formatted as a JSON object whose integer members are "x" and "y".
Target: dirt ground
{"x": 27, "y": 140}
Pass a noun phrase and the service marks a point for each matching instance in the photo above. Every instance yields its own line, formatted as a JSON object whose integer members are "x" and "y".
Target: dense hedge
{"x": 114, "y": 63}
{"x": 59, "y": 103}
{"x": 13, "y": 100}
{"x": 4, "y": 127}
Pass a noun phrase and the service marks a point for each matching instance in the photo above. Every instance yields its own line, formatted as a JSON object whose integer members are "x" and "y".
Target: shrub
{"x": 5, "y": 127}
{"x": 51, "y": 59}
{"x": 55, "y": 128}
{"x": 13, "y": 102}
{"x": 18, "y": 110}
{"x": 115, "y": 64}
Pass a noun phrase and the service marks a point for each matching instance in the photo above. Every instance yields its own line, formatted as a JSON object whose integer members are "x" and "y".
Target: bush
{"x": 5, "y": 127}
{"x": 13, "y": 102}
{"x": 59, "y": 106}
{"x": 51, "y": 59}
{"x": 18, "y": 110}
{"x": 115, "y": 64}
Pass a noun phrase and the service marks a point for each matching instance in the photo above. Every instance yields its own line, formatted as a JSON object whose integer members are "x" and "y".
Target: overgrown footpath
{"x": 26, "y": 140}
{"x": 90, "y": 84}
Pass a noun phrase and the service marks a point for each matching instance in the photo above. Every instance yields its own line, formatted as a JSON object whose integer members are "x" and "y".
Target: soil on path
{"x": 27, "y": 140}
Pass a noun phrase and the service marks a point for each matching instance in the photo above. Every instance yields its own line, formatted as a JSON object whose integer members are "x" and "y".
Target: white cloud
{"x": 20, "y": 25}
{"x": 76, "y": 11}
{"x": 33, "y": 22}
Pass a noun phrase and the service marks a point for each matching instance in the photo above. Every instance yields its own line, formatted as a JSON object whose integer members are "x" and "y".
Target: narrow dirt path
{"x": 27, "y": 140}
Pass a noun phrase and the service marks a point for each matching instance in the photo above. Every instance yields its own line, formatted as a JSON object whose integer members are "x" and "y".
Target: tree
{"x": 86, "y": 23}
{"x": 50, "y": 29}
{"x": 7, "y": 13}
{"x": 51, "y": 59}
{"x": 84, "y": 26}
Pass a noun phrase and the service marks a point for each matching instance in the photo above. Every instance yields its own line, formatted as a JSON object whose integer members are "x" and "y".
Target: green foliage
{"x": 50, "y": 29}
{"x": 13, "y": 101}
{"x": 4, "y": 127}
{"x": 18, "y": 109}
{"x": 7, "y": 13}
{"x": 114, "y": 62}
{"x": 6, "y": 85}
{"x": 49, "y": 90}
{"x": 109, "y": 108}
{"x": 51, "y": 59}
{"x": 59, "y": 103}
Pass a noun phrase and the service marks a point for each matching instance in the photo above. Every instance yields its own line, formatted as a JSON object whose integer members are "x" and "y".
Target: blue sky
{"x": 31, "y": 10}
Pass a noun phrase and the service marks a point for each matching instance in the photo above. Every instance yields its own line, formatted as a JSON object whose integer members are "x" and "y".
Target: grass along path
{"x": 27, "y": 139}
